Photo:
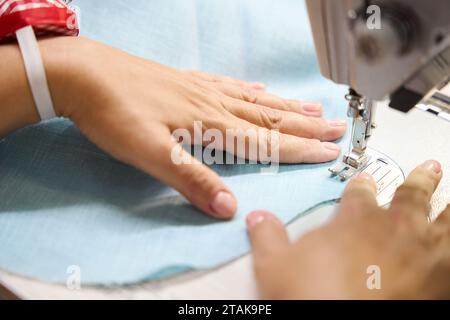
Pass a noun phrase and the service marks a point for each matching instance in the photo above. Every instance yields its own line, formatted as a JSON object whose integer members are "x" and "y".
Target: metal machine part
{"x": 362, "y": 111}
{"x": 397, "y": 49}
{"x": 386, "y": 173}
{"x": 381, "y": 49}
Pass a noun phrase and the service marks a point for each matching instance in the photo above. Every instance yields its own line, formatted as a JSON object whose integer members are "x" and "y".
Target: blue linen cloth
{"x": 65, "y": 203}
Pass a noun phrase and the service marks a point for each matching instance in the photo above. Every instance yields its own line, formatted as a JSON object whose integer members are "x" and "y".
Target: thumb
{"x": 267, "y": 234}
{"x": 198, "y": 183}
{"x": 150, "y": 147}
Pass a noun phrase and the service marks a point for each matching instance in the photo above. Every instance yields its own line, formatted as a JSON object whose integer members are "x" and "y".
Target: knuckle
{"x": 292, "y": 105}
{"x": 271, "y": 119}
{"x": 216, "y": 80}
{"x": 279, "y": 103}
{"x": 315, "y": 128}
{"x": 408, "y": 222}
{"x": 419, "y": 190}
{"x": 415, "y": 195}
{"x": 324, "y": 131}
{"x": 308, "y": 149}
{"x": 310, "y": 144}
{"x": 422, "y": 178}
{"x": 423, "y": 174}
{"x": 249, "y": 95}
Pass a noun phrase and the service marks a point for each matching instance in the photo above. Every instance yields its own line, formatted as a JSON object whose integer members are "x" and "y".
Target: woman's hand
{"x": 130, "y": 107}
{"x": 363, "y": 247}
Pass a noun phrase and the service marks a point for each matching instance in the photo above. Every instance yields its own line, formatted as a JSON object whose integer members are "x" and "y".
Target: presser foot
{"x": 351, "y": 165}
{"x": 387, "y": 175}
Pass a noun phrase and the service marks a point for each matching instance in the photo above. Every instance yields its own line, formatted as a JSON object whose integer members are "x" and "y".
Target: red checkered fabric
{"x": 47, "y": 17}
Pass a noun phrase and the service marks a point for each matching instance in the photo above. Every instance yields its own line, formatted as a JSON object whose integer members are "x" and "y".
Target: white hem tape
{"x": 35, "y": 72}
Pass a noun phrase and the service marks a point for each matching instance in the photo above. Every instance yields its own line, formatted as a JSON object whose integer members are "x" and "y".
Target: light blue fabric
{"x": 63, "y": 202}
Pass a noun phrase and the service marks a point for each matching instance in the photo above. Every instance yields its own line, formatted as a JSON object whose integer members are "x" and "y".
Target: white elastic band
{"x": 35, "y": 72}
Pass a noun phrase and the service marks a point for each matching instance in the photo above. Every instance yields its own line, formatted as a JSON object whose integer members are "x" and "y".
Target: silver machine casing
{"x": 403, "y": 60}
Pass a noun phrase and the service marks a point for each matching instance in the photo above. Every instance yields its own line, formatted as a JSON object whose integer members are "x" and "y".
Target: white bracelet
{"x": 35, "y": 72}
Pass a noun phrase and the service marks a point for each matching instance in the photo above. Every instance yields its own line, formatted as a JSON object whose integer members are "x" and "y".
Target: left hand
{"x": 336, "y": 260}
{"x": 130, "y": 107}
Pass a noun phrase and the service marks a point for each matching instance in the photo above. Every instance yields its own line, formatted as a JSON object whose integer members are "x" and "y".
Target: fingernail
{"x": 311, "y": 107}
{"x": 331, "y": 146}
{"x": 432, "y": 165}
{"x": 223, "y": 205}
{"x": 258, "y": 85}
{"x": 256, "y": 217}
{"x": 337, "y": 123}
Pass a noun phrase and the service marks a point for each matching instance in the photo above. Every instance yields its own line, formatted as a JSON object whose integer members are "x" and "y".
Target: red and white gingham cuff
{"x": 24, "y": 20}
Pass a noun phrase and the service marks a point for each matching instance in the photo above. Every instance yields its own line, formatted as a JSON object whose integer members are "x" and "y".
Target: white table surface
{"x": 408, "y": 139}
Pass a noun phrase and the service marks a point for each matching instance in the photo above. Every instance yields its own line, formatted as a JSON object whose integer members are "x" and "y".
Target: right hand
{"x": 129, "y": 107}
{"x": 409, "y": 256}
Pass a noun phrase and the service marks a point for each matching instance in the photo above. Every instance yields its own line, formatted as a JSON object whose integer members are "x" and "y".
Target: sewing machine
{"x": 383, "y": 49}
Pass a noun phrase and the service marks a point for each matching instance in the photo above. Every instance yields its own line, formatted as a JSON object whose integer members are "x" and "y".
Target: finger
{"x": 412, "y": 198}
{"x": 250, "y": 95}
{"x": 277, "y": 147}
{"x": 177, "y": 168}
{"x": 359, "y": 196}
{"x": 267, "y": 234}
{"x": 307, "y": 108}
{"x": 287, "y": 122}
{"x": 226, "y": 80}
{"x": 199, "y": 184}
